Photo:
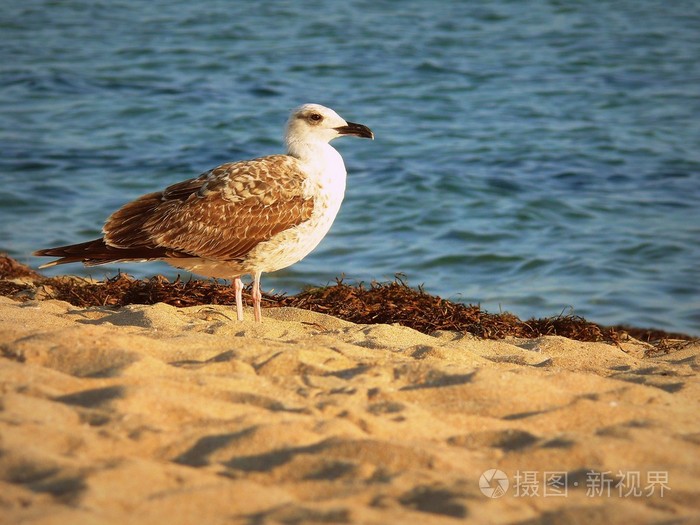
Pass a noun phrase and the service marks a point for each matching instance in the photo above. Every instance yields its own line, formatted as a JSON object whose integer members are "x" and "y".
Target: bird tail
{"x": 95, "y": 252}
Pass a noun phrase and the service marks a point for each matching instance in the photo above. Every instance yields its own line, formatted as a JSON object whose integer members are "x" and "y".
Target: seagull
{"x": 241, "y": 218}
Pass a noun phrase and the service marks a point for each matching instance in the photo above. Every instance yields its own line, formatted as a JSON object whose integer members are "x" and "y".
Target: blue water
{"x": 532, "y": 156}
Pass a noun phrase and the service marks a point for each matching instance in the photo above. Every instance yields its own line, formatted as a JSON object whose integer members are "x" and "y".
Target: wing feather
{"x": 223, "y": 214}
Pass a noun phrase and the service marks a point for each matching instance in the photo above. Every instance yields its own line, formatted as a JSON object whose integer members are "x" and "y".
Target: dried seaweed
{"x": 12, "y": 289}
{"x": 390, "y": 302}
{"x": 12, "y": 269}
{"x": 396, "y": 302}
{"x": 123, "y": 289}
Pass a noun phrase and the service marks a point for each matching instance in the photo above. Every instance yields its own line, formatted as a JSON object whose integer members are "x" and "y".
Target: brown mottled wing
{"x": 223, "y": 214}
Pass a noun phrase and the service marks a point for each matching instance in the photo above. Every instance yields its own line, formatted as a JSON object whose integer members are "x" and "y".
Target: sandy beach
{"x": 159, "y": 414}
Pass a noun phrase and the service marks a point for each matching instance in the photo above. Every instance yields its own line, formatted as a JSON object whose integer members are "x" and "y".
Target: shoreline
{"x": 393, "y": 302}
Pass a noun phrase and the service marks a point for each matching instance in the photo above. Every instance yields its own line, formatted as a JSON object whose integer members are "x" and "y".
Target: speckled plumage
{"x": 239, "y": 218}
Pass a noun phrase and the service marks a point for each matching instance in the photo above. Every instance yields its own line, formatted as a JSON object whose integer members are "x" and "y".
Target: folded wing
{"x": 222, "y": 214}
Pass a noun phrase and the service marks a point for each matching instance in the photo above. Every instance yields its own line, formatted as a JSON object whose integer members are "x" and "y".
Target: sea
{"x": 540, "y": 157}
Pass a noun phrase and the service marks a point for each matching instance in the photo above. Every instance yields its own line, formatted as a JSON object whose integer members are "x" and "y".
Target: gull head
{"x": 315, "y": 123}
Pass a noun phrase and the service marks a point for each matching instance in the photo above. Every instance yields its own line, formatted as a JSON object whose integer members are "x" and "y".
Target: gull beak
{"x": 358, "y": 130}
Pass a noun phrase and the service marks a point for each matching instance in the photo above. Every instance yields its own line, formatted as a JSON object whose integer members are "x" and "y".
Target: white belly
{"x": 294, "y": 244}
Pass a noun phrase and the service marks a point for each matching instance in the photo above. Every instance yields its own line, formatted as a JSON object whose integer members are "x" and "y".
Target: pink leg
{"x": 257, "y": 297}
{"x": 238, "y": 288}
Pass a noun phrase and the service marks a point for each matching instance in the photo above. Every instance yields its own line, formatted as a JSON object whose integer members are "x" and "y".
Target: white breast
{"x": 326, "y": 186}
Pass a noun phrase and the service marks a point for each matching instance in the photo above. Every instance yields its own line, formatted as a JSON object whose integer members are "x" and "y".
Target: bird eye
{"x": 315, "y": 117}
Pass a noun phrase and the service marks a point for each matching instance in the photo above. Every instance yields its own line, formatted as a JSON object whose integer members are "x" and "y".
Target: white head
{"x": 315, "y": 123}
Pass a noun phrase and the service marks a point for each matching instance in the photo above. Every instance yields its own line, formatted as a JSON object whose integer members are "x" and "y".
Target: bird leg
{"x": 257, "y": 297}
{"x": 238, "y": 288}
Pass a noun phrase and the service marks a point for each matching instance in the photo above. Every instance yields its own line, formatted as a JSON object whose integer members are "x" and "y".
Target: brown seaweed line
{"x": 387, "y": 302}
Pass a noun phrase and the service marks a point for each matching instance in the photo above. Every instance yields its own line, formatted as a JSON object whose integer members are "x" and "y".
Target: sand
{"x": 165, "y": 415}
